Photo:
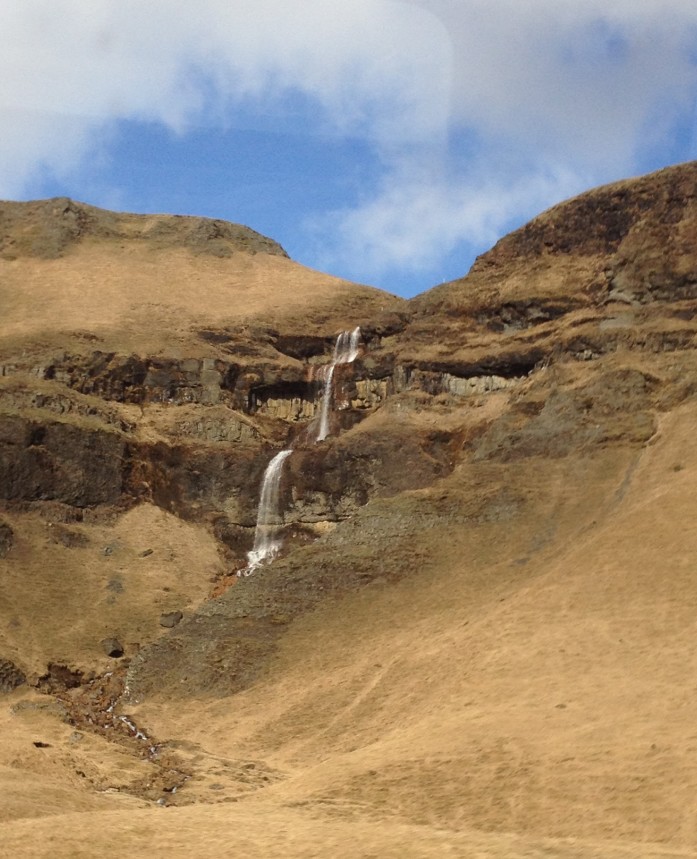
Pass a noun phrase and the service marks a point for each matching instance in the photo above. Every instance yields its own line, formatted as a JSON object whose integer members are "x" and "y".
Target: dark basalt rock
{"x": 302, "y": 346}
{"x": 112, "y": 647}
{"x": 59, "y": 677}
{"x": 6, "y": 539}
{"x": 62, "y": 462}
{"x": 10, "y": 676}
{"x": 170, "y": 619}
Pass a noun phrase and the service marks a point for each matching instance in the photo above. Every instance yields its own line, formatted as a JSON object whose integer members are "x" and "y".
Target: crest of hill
{"x": 626, "y": 248}
{"x": 644, "y": 227}
{"x": 48, "y": 229}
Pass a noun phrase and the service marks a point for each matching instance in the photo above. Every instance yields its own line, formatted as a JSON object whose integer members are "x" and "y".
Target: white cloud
{"x": 559, "y": 96}
{"x": 578, "y": 80}
{"x": 370, "y": 64}
{"x": 556, "y": 93}
{"x": 416, "y": 220}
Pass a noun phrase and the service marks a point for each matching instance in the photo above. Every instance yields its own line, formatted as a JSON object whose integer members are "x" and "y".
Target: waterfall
{"x": 345, "y": 352}
{"x": 269, "y": 518}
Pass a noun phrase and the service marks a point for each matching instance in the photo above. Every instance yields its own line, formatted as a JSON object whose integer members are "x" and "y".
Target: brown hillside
{"x": 479, "y": 637}
{"x": 79, "y": 278}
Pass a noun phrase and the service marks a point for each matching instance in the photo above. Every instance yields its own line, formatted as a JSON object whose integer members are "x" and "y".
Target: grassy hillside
{"x": 479, "y": 637}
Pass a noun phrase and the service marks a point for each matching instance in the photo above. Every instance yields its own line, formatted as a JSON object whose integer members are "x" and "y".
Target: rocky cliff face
{"x": 559, "y": 353}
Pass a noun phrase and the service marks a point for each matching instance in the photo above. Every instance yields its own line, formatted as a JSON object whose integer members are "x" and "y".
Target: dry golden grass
{"x": 137, "y": 298}
{"x": 57, "y": 603}
{"x": 479, "y": 697}
{"x": 552, "y": 704}
{"x": 209, "y": 832}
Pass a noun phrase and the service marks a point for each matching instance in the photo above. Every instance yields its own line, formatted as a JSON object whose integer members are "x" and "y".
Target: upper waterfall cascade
{"x": 345, "y": 352}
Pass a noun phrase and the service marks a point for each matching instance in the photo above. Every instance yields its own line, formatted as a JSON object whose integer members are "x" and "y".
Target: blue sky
{"x": 385, "y": 141}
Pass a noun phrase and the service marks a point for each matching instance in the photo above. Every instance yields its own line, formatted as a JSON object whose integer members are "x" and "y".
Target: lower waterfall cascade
{"x": 266, "y": 543}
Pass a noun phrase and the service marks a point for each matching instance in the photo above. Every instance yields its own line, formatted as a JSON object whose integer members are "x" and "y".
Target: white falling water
{"x": 269, "y": 519}
{"x": 266, "y": 536}
{"x": 345, "y": 352}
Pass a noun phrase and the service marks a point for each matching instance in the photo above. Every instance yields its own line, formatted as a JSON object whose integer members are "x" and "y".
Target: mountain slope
{"x": 478, "y": 639}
